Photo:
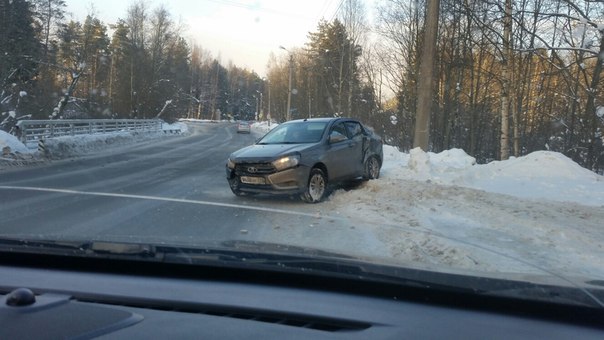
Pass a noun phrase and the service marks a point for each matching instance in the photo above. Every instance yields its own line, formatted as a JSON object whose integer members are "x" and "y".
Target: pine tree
{"x": 18, "y": 66}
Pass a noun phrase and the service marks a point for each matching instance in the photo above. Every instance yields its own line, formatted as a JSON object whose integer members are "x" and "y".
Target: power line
{"x": 324, "y": 9}
{"x": 337, "y": 10}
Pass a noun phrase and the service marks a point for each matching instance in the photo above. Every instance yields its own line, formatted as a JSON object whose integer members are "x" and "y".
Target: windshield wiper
{"x": 310, "y": 261}
{"x": 307, "y": 261}
{"x": 77, "y": 248}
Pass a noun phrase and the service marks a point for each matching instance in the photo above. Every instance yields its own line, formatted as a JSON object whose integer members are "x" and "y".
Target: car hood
{"x": 267, "y": 151}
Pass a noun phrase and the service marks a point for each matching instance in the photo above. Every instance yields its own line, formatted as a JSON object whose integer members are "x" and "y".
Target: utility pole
{"x": 289, "y": 86}
{"x": 421, "y": 137}
{"x": 269, "y": 103}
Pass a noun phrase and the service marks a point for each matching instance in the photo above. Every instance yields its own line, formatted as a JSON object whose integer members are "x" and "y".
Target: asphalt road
{"x": 170, "y": 190}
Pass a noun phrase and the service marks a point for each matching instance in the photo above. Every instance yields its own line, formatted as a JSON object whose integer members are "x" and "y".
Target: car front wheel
{"x": 234, "y": 185}
{"x": 316, "y": 188}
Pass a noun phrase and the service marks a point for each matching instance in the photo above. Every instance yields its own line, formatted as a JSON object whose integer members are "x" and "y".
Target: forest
{"x": 510, "y": 76}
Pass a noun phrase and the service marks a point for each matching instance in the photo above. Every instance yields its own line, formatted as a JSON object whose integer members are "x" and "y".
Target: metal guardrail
{"x": 30, "y": 131}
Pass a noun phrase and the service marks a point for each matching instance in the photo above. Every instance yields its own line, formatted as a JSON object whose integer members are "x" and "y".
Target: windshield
{"x": 295, "y": 133}
{"x": 465, "y": 138}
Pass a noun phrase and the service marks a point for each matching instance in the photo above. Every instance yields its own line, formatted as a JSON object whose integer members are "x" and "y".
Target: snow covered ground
{"x": 540, "y": 210}
{"x": 442, "y": 209}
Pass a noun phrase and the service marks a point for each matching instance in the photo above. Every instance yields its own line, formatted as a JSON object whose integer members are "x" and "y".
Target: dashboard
{"x": 74, "y": 298}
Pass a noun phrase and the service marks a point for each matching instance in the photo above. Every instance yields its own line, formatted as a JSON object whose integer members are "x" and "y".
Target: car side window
{"x": 338, "y": 133}
{"x": 354, "y": 129}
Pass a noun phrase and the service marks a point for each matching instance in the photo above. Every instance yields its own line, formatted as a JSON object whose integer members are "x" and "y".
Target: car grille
{"x": 254, "y": 169}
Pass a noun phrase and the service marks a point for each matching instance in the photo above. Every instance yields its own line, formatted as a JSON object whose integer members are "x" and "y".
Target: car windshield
{"x": 457, "y": 137}
{"x": 295, "y": 133}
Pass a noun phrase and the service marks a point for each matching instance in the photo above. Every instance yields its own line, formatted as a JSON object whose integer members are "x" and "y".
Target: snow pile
{"x": 263, "y": 127}
{"x": 68, "y": 146}
{"x": 452, "y": 159}
{"x": 178, "y": 126}
{"x": 539, "y": 175}
{"x": 193, "y": 120}
{"x": 419, "y": 163}
{"x": 10, "y": 143}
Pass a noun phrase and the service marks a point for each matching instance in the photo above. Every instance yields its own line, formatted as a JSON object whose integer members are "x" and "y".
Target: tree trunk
{"x": 424, "y": 101}
{"x": 590, "y": 109}
{"x": 506, "y": 81}
{"x": 67, "y": 95}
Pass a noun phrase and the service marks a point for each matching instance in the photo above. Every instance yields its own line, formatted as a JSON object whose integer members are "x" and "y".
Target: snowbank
{"x": 12, "y": 143}
{"x": 178, "y": 126}
{"x": 539, "y": 175}
{"x": 263, "y": 127}
{"x": 539, "y": 211}
{"x": 68, "y": 146}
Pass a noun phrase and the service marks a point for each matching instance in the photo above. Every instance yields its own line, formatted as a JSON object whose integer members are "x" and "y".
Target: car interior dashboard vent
{"x": 314, "y": 322}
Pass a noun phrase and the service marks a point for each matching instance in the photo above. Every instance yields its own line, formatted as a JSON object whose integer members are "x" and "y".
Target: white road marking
{"x": 166, "y": 199}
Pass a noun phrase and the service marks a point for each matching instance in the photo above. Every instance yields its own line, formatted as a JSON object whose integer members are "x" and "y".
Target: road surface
{"x": 169, "y": 190}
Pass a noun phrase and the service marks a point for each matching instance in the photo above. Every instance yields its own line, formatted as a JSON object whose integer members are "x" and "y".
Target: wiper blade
{"x": 22, "y": 244}
{"x": 69, "y": 247}
{"x": 323, "y": 265}
{"x": 132, "y": 249}
{"x": 276, "y": 258}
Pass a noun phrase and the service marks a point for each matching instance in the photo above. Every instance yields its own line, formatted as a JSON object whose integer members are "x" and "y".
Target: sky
{"x": 245, "y": 32}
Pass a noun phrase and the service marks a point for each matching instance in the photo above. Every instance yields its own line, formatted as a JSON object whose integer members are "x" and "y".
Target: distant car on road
{"x": 244, "y": 127}
{"x": 304, "y": 156}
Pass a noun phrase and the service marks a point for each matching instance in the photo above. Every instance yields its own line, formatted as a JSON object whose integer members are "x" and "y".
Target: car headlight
{"x": 230, "y": 164}
{"x": 286, "y": 162}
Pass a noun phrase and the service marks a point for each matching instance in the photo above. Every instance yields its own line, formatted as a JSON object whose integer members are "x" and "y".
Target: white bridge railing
{"x": 30, "y": 131}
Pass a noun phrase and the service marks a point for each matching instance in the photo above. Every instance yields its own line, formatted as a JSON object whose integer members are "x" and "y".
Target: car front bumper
{"x": 289, "y": 181}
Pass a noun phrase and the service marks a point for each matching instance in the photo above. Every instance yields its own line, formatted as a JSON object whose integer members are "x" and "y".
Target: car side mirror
{"x": 336, "y": 138}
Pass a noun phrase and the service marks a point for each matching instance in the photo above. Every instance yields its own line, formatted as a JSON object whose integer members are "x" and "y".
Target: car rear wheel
{"x": 372, "y": 168}
{"x": 316, "y": 188}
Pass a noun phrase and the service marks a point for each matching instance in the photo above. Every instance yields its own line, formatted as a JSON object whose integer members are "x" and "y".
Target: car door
{"x": 342, "y": 153}
{"x": 360, "y": 145}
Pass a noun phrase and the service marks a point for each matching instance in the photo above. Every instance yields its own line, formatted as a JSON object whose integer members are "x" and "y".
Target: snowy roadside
{"x": 444, "y": 210}
{"x": 15, "y": 153}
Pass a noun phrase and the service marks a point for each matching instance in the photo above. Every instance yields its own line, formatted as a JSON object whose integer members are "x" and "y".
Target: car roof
{"x": 323, "y": 119}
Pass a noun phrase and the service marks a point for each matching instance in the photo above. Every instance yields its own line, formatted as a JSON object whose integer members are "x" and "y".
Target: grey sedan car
{"x": 302, "y": 157}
